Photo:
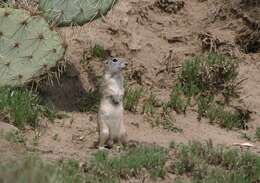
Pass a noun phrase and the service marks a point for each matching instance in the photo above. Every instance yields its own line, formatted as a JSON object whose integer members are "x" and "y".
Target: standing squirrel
{"x": 110, "y": 114}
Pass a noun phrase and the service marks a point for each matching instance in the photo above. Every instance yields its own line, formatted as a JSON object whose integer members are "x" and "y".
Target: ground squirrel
{"x": 110, "y": 114}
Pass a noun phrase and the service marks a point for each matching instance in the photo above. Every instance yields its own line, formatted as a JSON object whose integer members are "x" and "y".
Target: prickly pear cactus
{"x": 28, "y": 48}
{"x": 75, "y": 12}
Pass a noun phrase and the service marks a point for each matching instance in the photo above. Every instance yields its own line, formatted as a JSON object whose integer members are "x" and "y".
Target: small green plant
{"x": 99, "y": 52}
{"x": 178, "y": 102}
{"x": 15, "y": 136}
{"x": 150, "y": 104}
{"x": 257, "y": 133}
{"x": 227, "y": 119}
{"x": 168, "y": 124}
{"x": 204, "y": 103}
{"x": 21, "y": 106}
{"x": 131, "y": 98}
{"x": 90, "y": 101}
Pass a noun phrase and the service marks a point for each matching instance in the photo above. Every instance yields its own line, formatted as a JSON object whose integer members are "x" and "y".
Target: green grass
{"x": 206, "y": 163}
{"x": 257, "y": 133}
{"x": 203, "y": 79}
{"x": 132, "y": 97}
{"x": 178, "y": 102}
{"x": 200, "y": 162}
{"x": 99, "y": 51}
{"x": 90, "y": 101}
{"x": 131, "y": 164}
{"x": 32, "y": 169}
{"x": 14, "y": 136}
{"x": 101, "y": 168}
{"x": 167, "y": 122}
{"x": 150, "y": 104}
{"x": 21, "y": 107}
{"x": 227, "y": 119}
{"x": 216, "y": 113}
{"x": 213, "y": 72}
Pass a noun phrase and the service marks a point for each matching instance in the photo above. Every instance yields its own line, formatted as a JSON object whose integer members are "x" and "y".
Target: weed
{"x": 177, "y": 100}
{"x": 21, "y": 106}
{"x": 168, "y": 124}
{"x": 227, "y": 119}
{"x": 204, "y": 103}
{"x": 257, "y": 134}
{"x": 99, "y": 51}
{"x": 150, "y": 104}
{"x": 90, "y": 101}
{"x": 15, "y": 136}
{"x": 131, "y": 98}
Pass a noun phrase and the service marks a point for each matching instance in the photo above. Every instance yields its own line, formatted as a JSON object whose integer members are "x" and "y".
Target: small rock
{"x": 81, "y": 138}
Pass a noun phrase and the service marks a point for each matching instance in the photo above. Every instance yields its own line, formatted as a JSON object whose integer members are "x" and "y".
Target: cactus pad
{"x": 76, "y": 12}
{"x": 28, "y": 48}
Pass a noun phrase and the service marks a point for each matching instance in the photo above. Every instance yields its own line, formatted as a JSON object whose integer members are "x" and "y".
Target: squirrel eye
{"x": 114, "y": 60}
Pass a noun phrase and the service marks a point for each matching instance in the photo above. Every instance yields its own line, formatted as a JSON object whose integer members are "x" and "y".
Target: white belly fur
{"x": 112, "y": 116}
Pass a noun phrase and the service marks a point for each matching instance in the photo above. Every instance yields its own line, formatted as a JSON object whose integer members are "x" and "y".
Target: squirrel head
{"x": 115, "y": 65}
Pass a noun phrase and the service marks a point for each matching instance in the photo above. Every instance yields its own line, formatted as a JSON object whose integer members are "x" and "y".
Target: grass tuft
{"x": 15, "y": 136}
{"x": 132, "y": 97}
{"x": 178, "y": 102}
{"x": 204, "y": 79}
{"x": 99, "y": 51}
{"x": 213, "y": 73}
{"x": 21, "y": 107}
{"x": 150, "y": 105}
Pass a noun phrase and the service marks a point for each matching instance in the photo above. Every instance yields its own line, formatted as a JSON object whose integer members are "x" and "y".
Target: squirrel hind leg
{"x": 123, "y": 138}
{"x": 103, "y": 136}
